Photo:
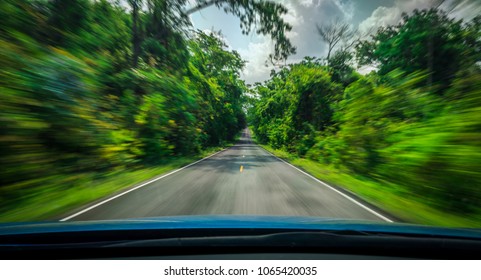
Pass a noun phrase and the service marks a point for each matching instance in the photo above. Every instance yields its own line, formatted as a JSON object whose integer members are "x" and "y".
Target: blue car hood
{"x": 236, "y": 222}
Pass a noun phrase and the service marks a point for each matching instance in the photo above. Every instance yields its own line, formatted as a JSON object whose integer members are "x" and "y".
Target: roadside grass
{"x": 392, "y": 198}
{"x": 54, "y": 197}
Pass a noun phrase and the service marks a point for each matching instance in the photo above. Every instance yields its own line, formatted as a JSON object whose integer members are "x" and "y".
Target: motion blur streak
{"x": 267, "y": 186}
{"x": 75, "y": 114}
{"x": 99, "y": 96}
{"x": 407, "y": 136}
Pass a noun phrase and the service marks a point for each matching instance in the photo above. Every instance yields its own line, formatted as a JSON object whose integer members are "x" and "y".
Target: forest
{"x": 88, "y": 88}
{"x": 411, "y": 128}
{"x": 91, "y": 90}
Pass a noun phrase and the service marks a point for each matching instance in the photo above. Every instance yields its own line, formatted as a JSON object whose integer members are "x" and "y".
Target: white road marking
{"x": 182, "y": 168}
{"x": 133, "y": 189}
{"x": 334, "y": 189}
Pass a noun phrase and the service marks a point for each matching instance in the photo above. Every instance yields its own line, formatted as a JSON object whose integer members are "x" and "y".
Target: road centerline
{"x": 211, "y": 188}
{"x": 136, "y": 188}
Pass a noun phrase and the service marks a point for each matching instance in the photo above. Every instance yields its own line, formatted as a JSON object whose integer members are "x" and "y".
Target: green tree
{"x": 297, "y": 102}
{"x": 425, "y": 40}
{"x": 218, "y": 70}
{"x": 66, "y": 17}
{"x": 166, "y": 15}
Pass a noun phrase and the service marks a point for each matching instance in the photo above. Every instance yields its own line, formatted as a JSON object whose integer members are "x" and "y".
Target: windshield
{"x": 344, "y": 110}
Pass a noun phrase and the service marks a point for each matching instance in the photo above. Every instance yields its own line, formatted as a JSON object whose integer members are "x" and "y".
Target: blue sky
{"x": 303, "y": 15}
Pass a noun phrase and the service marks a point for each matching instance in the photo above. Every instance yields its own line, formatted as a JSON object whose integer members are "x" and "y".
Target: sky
{"x": 303, "y": 15}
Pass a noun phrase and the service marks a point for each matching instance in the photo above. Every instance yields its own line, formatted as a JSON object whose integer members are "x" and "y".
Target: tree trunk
{"x": 135, "y": 34}
{"x": 329, "y": 54}
{"x": 202, "y": 6}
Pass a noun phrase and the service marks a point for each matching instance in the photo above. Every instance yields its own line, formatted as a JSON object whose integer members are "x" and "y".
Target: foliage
{"x": 70, "y": 103}
{"x": 414, "y": 124}
{"x": 265, "y": 17}
{"x": 425, "y": 40}
{"x": 297, "y": 101}
{"x": 159, "y": 34}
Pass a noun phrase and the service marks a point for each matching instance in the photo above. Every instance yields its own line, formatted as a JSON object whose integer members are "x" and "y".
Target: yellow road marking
{"x": 241, "y": 168}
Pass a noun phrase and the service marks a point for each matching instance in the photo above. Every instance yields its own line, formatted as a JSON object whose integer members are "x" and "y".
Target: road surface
{"x": 243, "y": 180}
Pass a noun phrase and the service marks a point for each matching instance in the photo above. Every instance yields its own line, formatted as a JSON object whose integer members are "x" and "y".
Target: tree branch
{"x": 202, "y": 6}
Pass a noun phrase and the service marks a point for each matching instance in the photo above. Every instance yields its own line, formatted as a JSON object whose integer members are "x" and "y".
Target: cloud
{"x": 258, "y": 50}
{"x": 302, "y": 15}
{"x": 384, "y": 16}
{"x": 306, "y": 3}
{"x": 256, "y": 55}
{"x": 462, "y": 9}
{"x": 307, "y": 39}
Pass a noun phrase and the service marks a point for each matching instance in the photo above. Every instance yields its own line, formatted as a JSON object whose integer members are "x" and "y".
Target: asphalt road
{"x": 243, "y": 180}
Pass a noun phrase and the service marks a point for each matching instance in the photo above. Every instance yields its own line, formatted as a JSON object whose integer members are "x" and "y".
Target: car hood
{"x": 237, "y": 222}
